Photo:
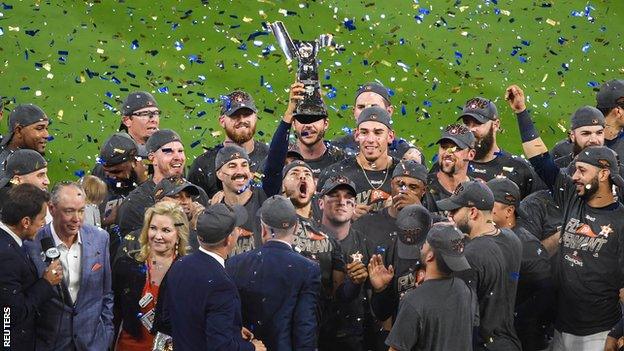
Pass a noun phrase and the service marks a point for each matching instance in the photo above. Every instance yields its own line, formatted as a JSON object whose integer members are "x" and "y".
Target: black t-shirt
{"x": 132, "y": 210}
{"x": 617, "y": 145}
{"x": 378, "y": 228}
{"x": 435, "y": 192}
{"x": 438, "y": 315}
{"x": 250, "y": 236}
{"x": 489, "y": 277}
{"x": 540, "y": 215}
{"x": 350, "y": 147}
{"x": 590, "y": 263}
{"x": 373, "y": 187}
{"x": 331, "y": 155}
{"x": 535, "y": 264}
{"x": 312, "y": 243}
{"x": 347, "y": 318}
{"x": 509, "y": 166}
{"x": 202, "y": 171}
{"x": 511, "y": 246}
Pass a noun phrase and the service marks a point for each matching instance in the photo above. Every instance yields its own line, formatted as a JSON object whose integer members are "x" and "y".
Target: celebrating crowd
{"x": 312, "y": 244}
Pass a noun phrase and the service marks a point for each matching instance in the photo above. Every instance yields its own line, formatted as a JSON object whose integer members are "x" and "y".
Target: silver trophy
{"x": 311, "y": 108}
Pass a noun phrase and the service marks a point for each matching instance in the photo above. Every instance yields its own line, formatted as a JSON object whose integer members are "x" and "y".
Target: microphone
{"x": 51, "y": 253}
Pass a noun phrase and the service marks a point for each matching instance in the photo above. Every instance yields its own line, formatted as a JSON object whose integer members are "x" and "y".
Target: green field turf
{"x": 78, "y": 61}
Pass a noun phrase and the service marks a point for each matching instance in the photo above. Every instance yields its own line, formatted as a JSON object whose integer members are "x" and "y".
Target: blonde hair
{"x": 177, "y": 215}
{"x": 95, "y": 189}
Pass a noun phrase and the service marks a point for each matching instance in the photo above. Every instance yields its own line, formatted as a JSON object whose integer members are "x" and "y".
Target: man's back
{"x": 438, "y": 315}
{"x": 279, "y": 291}
{"x": 203, "y": 306}
{"x": 490, "y": 278}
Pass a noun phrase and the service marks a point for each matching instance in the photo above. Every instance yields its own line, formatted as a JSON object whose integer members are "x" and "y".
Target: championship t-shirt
{"x": 590, "y": 262}
{"x": 332, "y": 155}
{"x": 202, "y": 171}
{"x": 313, "y": 243}
{"x": 535, "y": 264}
{"x": 373, "y": 187}
{"x": 348, "y": 144}
{"x": 438, "y": 315}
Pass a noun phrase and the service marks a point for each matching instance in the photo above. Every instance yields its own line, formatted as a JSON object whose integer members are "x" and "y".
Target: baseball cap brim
{"x": 448, "y": 204}
{"x": 232, "y": 111}
{"x": 481, "y": 119}
{"x": 462, "y": 145}
{"x": 190, "y": 188}
{"x": 408, "y": 252}
{"x": 307, "y": 119}
{"x": 340, "y": 185}
{"x": 455, "y": 263}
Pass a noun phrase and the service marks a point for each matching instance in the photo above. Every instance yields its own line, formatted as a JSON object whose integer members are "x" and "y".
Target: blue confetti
{"x": 349, "y": 24}
{"x": 390, "y": 91}
{"x": 7, "y": 6}
{"x": 108, "y": 106}
{"x": 195, "y": 143}
{"x": 586, "y": 47}
{"x": 79, "y": 173}
{"x": 365, "y": 62}
{"x": 562, "y": 40}
{"x": 178, "y": 46}
{"x": 458, "y": 54}
{"x": 403, "y": 110}
{"x": 424, "y": 11}
{"x": 242, "y": 47}
{"x": 347, "y": 130}
{"x": 201, "y": 113}
{"x": 108, "y": 94}
{"x": 115, "y": 80}
{"x": 419, "y": 19}
{"x": 175, "y": 26}
{"x": 497, "y": 11}
{"x": 565, "y": 66}
{"x": 327, "y": 76}
{"x": 401, "y": 41}
{"x": 209, "y": 100}
{"x": 522, "y": 59}
{"x": 427, "y": 103}
{"x": 593, "y": 84}
{"x": 1, "y": 31}
{"x": 526, "y": 42}
{"x": 331, "y": 93}
{"x": 576, "y": 14}
{"x": 261, "y": 80}
{"x": 135, "y": 44}
{"x": 344, "y": 107}
{"x": 50, "y": 137}
{"x": 253, "y": 36}
{"x": 192, "y": 58}
{"x": 31, "y": 32}
{"x": 63, "y": 52}
{"x": 163, "y": 90}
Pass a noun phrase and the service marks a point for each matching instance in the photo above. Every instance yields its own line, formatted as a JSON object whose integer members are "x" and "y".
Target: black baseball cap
{"x": 448, "y": 242}
{"x": 413, "y": 222}
{"x": 336, "y": 182}
{"x": 278, "y": 212}
{"x": 481, "y": 109}
{"x": 218, "y": 221}
{"x": 118, "y": 148}
{"x": 471, "y": 193}
{"x": 136, "y": 101}
{"x": 376, "y": 88}
{"x": 505, "y": 191}
{"x": 602, "y": 157}
{"x": 459, "y": 134}
{"x": 587, "y": 116}
{"x": 23, "y": 115}
{"x": 611, "y": 94}
{"x": 159, "y": 138}
{"x": 173, "y": 186}
{"x": 293, "y": 164}
{"x": 375, "y": 114}
{"x": 235, "y": 101}
{"x": 411, "y": 169}
{"x": 229, "y": 153}
{"x": 294, "y": 152}
{"x": 20, "y": 162}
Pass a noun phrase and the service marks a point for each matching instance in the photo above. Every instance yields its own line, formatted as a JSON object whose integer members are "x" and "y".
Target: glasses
{"x": 147, "y": 114}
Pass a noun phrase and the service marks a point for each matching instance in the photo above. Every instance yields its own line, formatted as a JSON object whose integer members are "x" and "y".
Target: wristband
{"x": 527, "y": 127}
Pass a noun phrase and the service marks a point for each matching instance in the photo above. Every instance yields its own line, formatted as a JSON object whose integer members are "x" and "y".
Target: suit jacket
{"x": 89, "y": 321}
{"x": 202, "y": 306}
{"x": 279, "y": 290}
{"x": 22, "y": 293}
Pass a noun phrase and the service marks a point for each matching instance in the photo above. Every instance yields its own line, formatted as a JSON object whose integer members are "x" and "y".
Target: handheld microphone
{"x": 49, "y": 252}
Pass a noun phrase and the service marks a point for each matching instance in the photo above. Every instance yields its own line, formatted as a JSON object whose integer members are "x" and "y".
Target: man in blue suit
{"x": 279, "y": 288}
{"x": 201, "y": 306}
{"x": 80, "y": 316}
{"x": 22, "y": 291}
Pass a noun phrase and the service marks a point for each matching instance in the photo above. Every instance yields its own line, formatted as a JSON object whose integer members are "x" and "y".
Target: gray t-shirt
{"x": 438, "y": 315}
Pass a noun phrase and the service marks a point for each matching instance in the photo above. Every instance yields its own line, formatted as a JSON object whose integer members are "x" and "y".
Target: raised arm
{"x": 533, "y": 146}
{"x": 279, "y": 145}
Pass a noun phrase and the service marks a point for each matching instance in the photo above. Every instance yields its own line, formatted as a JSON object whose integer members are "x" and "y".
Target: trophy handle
{"x": 284, "y": 40}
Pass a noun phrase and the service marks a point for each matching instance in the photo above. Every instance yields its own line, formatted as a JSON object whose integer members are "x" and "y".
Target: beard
{"x": 319, "y": 137}
{"x": 450, "y": 171}
{"x": 241, "y": 137}
{"x": 593, "y": 188}
{"x": 292, "y": 194}
{"x": 576, "y": 149}
{"x": 463, "y": 225}
{"x": 484, "y": 145}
